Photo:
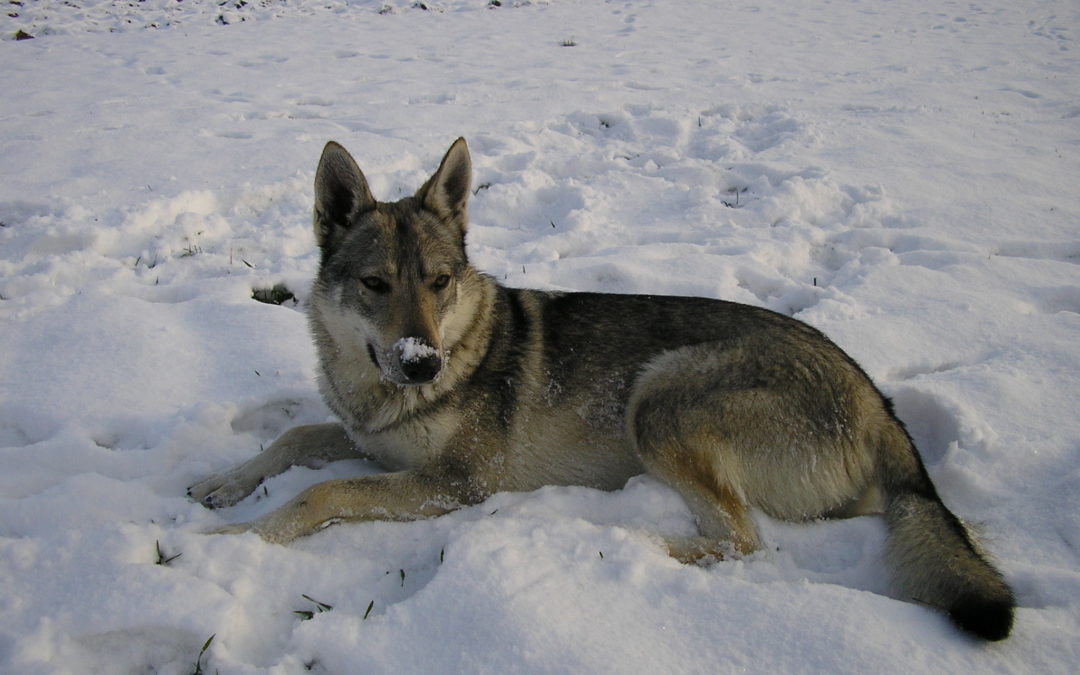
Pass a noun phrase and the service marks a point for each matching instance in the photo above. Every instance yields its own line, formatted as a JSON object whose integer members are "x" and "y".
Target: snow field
{"x": 900, "y": 176}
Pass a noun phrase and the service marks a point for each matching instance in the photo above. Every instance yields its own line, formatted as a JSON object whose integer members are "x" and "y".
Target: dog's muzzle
{"x": 417, "y": 360}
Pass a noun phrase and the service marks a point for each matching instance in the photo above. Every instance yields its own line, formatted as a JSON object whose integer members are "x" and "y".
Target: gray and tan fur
{"x": 461, "y": 388}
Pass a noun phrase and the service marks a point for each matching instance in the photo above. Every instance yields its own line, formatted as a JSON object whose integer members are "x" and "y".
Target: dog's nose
{"x": 421, "y": 370}
{"x": 419, "y": 361}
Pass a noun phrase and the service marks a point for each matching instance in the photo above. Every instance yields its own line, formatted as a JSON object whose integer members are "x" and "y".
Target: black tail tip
{"x": 987, "y": 619}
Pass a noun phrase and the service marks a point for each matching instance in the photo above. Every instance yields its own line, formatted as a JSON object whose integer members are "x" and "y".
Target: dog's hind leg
{"x": 736, "y": 428}
{"x": 310, "y": 445}
{"x": 674, "y": 443}
{"x": 715, "y": 499}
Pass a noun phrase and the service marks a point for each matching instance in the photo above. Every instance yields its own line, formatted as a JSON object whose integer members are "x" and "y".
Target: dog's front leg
{"x": 403, "y": 495}
{"x": 311, "y": 445}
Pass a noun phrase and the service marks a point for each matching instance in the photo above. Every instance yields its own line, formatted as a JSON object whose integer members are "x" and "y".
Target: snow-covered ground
{"x": 903, "y": 175}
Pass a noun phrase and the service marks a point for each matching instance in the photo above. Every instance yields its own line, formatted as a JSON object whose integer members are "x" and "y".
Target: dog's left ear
{"x": 447, "y": 192}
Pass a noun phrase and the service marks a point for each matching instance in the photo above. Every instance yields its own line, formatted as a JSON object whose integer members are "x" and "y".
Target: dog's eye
{"x": 441, "y": 282}
{"x": 375, "y": 284}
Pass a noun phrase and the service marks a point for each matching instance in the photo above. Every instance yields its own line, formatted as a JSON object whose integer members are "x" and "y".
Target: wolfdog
{"x": 461, "y": 388}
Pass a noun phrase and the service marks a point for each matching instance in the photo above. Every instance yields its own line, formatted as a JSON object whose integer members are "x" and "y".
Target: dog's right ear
{"x": 341, "y": 193}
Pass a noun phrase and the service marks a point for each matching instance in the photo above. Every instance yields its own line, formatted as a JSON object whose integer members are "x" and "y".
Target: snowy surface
{"x": 902, "y": 175}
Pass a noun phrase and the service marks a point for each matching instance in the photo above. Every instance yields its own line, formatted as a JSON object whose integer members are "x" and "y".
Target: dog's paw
{"x": 221, "y": 490}
{"x": 234, "y": 528}
{"x": 264, "y": 527}
{"x": 697, "y": 550}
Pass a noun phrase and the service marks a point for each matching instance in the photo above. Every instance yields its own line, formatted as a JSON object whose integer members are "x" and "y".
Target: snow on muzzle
{"x": 417, "y": 360}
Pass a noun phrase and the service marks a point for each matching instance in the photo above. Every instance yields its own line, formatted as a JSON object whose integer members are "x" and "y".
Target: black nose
{"x": 419, "y": 361}
{"x": 422, "y": 369}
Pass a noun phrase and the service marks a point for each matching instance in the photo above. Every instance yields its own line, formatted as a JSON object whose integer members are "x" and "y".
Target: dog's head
{"x": 391, "y": 274}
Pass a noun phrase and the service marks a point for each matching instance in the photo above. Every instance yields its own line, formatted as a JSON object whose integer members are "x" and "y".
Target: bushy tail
{"x": 936, "y": 560}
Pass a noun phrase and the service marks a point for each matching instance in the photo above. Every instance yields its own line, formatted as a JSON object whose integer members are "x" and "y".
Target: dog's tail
{"x": 935, "y": 559}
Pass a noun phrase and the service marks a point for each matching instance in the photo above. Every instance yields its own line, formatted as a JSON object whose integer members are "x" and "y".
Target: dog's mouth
{"x": 410, "y": 362}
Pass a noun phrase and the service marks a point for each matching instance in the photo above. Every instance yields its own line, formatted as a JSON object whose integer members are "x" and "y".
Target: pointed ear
{"x": 341, "y": 193}
{"x": 447, "y": 192}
